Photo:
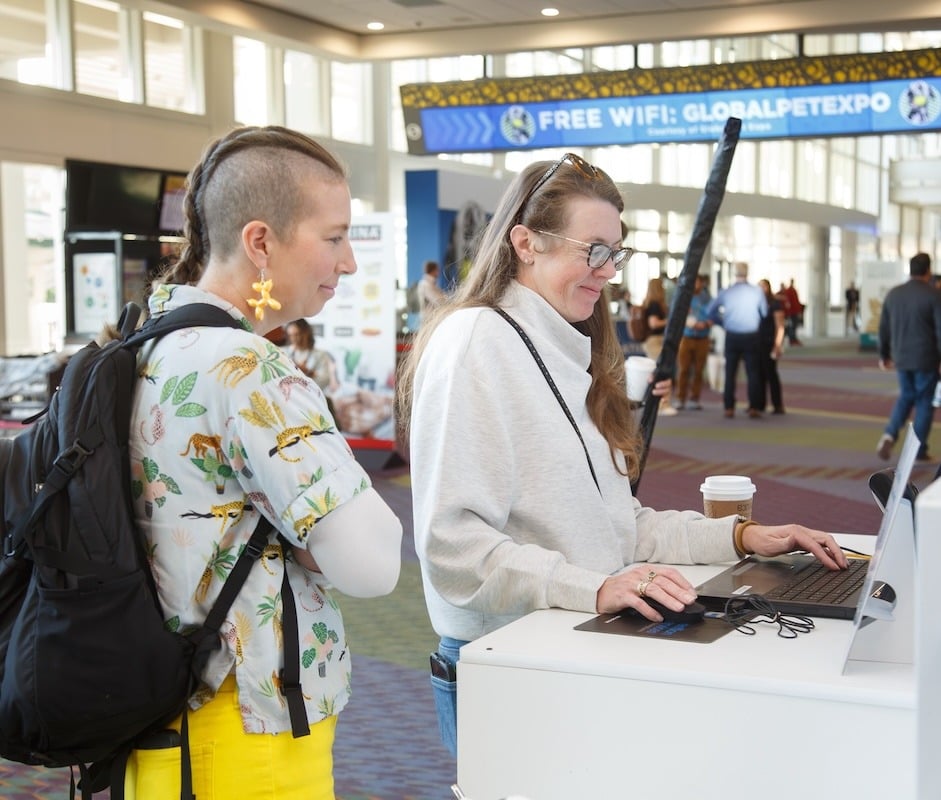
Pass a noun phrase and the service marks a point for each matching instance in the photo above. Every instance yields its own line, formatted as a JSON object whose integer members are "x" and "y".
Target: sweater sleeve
{"x": 465, "y": 479}
{"x": 683, "y": 537}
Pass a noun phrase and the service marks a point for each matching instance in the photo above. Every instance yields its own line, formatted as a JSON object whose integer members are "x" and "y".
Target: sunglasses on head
{"x": 585, "y": 169}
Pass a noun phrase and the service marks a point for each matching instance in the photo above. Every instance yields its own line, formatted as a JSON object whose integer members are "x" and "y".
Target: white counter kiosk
{"x": 553, "y": 713}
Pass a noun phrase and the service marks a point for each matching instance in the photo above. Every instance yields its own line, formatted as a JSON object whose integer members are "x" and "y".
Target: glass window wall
{"x": 27, "y": 32}
{"x": 545, "y": 62}
{"x": 351, "y": 102}
{"x": 168, "y": 69}
{"x": 305, "y": 108}
{"x": 102, "y": 66}
{"x": 742, "y": 176}
{"x": 776, "y": 176}
{"x": 811, "y": 166}
{"x": 250, "y": 80}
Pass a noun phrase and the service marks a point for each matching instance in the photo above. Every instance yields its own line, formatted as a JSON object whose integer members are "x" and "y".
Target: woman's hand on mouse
{"x": 774, "y": 540}
{"x": 627, "y": 590}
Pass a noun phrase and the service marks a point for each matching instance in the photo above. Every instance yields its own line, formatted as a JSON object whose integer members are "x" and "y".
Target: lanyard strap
{"x": 555, "y": 389}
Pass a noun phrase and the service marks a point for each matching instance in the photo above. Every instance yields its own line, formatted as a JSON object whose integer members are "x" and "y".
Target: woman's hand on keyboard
{"x": 775, "y": 540}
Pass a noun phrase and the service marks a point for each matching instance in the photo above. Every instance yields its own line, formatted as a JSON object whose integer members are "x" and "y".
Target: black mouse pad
{"x": 712, "y": 627}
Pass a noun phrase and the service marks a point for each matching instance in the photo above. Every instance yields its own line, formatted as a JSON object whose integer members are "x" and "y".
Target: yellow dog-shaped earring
{"x": 263, "y": 287}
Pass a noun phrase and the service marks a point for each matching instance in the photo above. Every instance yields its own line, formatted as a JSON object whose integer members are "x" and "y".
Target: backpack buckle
{"x": 254, "y": 548}
{"x": 73, "y": 458}
{"x": 9, "y": 545}
{"x": 289, "y": 688}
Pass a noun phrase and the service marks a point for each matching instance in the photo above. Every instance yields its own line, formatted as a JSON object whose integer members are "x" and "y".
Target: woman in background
{"x": 770, "y": 343}
{"x": 655, "y": 306}
{"x": 315, "y": 364}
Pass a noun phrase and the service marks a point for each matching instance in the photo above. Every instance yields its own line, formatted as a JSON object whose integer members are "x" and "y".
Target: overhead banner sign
{"x": 794, "y": 98}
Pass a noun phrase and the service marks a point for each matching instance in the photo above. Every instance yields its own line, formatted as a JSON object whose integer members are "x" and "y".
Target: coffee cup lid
{"x": 640, "y": 362}
{"x": 728, "y": 486}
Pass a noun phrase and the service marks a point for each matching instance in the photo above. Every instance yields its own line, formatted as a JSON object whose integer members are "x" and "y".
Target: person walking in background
{"x": 430, "y": 295}
{"x": 655, "y": 307}
{"x": 852, "y": 306}
{"x": 739, "y": 309}
{"x": 267, "y": 221}
{"x": 694, "y": 347}
{"x": 910, "y": 341}
{"x": 771, "y": 336}
{"x": 524, "y": 443}
{"x": 793, "y": 313}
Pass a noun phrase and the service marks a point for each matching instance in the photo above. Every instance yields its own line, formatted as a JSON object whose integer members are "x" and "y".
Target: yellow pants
{"x": 228, "y": 763}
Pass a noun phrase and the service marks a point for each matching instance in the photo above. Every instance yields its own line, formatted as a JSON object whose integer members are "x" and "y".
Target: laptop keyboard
{"x": 817, "y": 584}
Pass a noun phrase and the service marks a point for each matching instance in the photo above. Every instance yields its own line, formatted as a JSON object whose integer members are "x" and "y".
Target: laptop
{"x": 798, "y": 583}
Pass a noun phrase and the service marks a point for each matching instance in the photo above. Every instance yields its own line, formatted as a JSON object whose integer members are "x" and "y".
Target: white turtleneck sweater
{"x": 507, "y": 517}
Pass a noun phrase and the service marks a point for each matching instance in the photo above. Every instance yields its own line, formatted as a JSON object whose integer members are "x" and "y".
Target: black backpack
{"x": 88, "y": 669}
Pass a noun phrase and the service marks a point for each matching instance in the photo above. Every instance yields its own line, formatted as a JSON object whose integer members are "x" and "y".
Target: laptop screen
{"x": 884, "y": 620}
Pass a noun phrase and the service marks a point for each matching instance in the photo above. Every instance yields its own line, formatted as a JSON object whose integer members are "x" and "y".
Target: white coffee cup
{"x": 639, "y": 369}
{"x": 724, "y": 495}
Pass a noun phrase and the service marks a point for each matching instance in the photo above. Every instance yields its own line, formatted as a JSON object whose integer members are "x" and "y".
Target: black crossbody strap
{"x": 555, "y": 389}
{"x": 291, "y": 673}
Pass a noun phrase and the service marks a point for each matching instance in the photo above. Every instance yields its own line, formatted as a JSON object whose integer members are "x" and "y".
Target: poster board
{"x": 357, "y": 328}
{"x": 94, "y": 291}
{"x": 875, "y": 280}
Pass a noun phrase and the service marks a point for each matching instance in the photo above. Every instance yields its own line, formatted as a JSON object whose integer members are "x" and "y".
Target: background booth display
{"x": 358, "y": 329}
{"x": 876, "y": 278}
{"x": 121, "y": 222}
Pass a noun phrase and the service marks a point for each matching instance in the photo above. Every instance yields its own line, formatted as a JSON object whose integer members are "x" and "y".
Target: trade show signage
{"x": 832, "y": 96}
{"x": 358, "y": 329}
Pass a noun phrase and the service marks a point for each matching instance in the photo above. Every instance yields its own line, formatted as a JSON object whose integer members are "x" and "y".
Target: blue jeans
{"x": 916, "y": 390}
{"x": 445, "y": 693}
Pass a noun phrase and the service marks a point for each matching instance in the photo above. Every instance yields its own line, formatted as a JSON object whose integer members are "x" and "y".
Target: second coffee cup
{"x": 639, "y": 369}
{"x": 724, "y": 495}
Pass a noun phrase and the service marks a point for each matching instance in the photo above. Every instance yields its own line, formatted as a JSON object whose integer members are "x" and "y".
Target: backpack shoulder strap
{"x": 70, "y": 460}
{"x": 191, "y": 315}
{"x": 206, "y": 638}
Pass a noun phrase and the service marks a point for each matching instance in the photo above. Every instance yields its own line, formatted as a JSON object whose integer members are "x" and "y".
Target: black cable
{"x": 743, "y": 612}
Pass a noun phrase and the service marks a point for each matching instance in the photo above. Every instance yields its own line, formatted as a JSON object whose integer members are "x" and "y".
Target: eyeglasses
{"x": 598, "y": 253}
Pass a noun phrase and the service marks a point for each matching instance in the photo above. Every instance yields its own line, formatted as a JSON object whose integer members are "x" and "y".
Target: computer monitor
{"x": 172, "y": 192}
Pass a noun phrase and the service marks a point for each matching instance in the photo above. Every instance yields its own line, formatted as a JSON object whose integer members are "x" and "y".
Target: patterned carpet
{"x": 810, "y": 465}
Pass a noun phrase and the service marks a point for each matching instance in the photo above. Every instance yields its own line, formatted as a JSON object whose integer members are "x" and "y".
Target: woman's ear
{"x": 256, "y": 242}
{"x": 522, "y": 239}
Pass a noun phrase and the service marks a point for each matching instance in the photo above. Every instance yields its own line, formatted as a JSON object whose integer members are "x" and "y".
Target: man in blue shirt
{"x": 910, "y": 340}
{"x": 694, "y": 347}
{"x": 739, "y": 309}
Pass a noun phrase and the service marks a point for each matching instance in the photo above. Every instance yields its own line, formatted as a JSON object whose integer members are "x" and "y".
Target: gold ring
{"x": 642, "y": 588}
{"x": 651, "y": 575}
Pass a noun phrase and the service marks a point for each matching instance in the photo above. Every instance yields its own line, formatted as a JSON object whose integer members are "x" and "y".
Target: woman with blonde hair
{"x": 523, "y": 442}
